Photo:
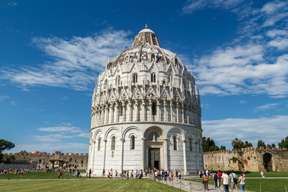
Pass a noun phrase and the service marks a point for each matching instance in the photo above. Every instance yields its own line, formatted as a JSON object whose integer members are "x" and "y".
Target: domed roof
{"x": 146, "y": 35}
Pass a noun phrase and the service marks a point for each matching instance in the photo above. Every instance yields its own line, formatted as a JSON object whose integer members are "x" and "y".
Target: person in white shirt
{"x": 225, "y": 179}
{"x": 242, "y": 182}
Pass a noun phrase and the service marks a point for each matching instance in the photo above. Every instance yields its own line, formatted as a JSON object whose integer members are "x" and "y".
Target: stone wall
{"x": 42, "y": 160}
{"x": 248, "y": 159}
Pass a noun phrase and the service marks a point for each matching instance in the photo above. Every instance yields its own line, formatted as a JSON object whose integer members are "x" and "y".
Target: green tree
{"x": 239, "y": 144}
{"x": 5, "y": 145}
{"x": 208, "y": 144}
{"x": 260, "y": 144}
{"x": 283, "y": 143}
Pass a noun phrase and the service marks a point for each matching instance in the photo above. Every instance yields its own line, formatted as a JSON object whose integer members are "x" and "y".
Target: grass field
{"x": 36, "y": 175}
{"x": 83, "y": 185}
{"x": 274, "y": 183}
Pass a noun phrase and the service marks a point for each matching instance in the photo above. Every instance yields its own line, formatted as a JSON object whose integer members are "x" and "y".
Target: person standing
{"x": 225, "y": 179}
{"x": 242, "y": 182}
{"x": 205, "y": 179}
{"x": 219, "y": 176}
{"x": 215, "y": 177}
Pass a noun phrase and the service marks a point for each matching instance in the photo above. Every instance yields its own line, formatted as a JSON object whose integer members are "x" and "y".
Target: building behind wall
{"x": 248, "y": 159}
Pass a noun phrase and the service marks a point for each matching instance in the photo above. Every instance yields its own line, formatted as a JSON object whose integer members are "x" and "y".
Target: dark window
{"x": 132, "y": 142}
{"x": 120, "y": 110}
{"x": 134, "y": 78}
{"x": 113, "y": 143}
{"x": 175, "y": 143}
{"x": 154, "y": 108}
{"x": 153, "y": 77}
{"x": 190, "y": 144}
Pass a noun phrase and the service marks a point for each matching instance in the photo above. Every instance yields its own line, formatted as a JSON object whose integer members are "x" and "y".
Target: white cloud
{"x": 74, "y": 147}
{"x": 64, "y": 137}
{"x": 279, "y": 43}
{"x": 193, "y": 5}
{"x": 75, "y": 62}
{"x": 267, "y": 107}
{"x": 270, "y": 129}
{"x": 272, "y": 7}
{"x": 248, "y": 64}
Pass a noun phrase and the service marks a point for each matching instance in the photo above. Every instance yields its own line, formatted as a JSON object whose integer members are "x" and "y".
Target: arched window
{"x": 134, "y": 78}
{"x": 132, "y": 142}
{"x": 190, "y": 144}
{"x": 153, "y": 77}
{"x": 113, "y": 143}
{"x": 154, "y": 108}
{"x": 175, "y": 143}
{"x": 99, "y": 144}
{"x": 120, "y": 110}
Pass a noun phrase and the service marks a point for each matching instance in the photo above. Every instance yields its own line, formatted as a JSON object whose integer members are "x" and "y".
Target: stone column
{"x": 107, "y": 114}
{"x": 104, "y": 115}
{"x": 136, "y": 110}
{"x": 171, "y": 111}
{"x": 177, "y": 112}
{"x": 111, "y": 113}
{"x": 184, "y": 157}
{"x": 165, "y": 114}
{"x": 104, "y": 162}
{"x": 124, "y": 104}
{"x": 143, "y": 111}
{"x": 158, "y": 111}
{"x": 122, "y": 153}
{"x": 143, "y": 154}
{"x": 129, "y": 110}
{"x": 165, "y": 153}
{"x": 149, "y": 110}
{"x": 93, "y": 154}
{"x": 116, "y": 115}
{"x": 183, "y": 113}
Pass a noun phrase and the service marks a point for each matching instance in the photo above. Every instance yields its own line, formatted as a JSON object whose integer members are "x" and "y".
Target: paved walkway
{"x": 190, "y": 186}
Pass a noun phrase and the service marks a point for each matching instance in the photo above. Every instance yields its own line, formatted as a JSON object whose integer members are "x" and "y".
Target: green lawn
{"x": 267, "y": 185}
{"x": 254, "y": 183}
{"x": 35, "y": 175}
{"x": 83, "y": 185}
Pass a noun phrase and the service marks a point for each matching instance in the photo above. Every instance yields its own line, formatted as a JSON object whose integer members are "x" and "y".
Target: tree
{"x": 283, "y": 143}
{"x": 5, "y": 145}
{"x": 260, "y": 144}
{"x": 208, "y": 144}
{"x": 239, "y": 144}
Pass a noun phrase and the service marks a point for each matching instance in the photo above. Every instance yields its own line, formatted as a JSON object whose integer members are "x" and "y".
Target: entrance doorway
{"x": 267, "y": 161}
{"x": 154, "y": 158}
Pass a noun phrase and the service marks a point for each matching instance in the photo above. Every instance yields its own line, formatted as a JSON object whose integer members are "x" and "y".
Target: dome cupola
{"x": 146, "y": 35}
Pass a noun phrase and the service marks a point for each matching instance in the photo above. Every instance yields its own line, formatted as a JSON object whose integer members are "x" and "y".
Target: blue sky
{"x": 52, "y": 51}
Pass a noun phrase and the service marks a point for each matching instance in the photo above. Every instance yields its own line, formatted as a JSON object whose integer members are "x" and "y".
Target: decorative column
{"x": 143, "y": 153}
{"x": 183, "y": 113}
{"x": 107, "y": 114}
{"x": 142, "y": 110}
{"x": 104, "y": 114}
{"x": 129, "y": 110}
{"x": 177, "y": 112}
{"x": 149, "y": 110}
{"x": 184, "y": 157}
{"x": 104, "y": 162}
{"x": 171, "y": 111}
{"x": 116, "y": 108}
{"x": 138, "y": 108}
{"x": 122, "y": 153}
{"x": 158, "y": 111}
{"x": 93, "y": 154}
{"x": 124, "y": 104}
{"x": 111, "y": 113}
{"x": 165, "y": 153}
{"x": 165, "y": 114}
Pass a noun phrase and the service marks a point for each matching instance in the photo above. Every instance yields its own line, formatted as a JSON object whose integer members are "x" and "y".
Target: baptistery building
{"x": 145, "y": 112}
